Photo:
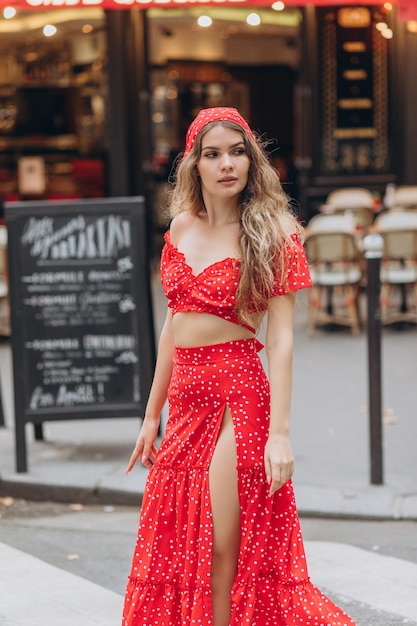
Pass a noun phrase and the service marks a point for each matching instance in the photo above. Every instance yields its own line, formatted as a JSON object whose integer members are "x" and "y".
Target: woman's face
{"x": 224, "y": 163}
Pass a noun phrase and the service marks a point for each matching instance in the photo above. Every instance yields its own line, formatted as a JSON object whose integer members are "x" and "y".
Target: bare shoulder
{"x": 180, "y": 224}
{"x": 290, "y": 224}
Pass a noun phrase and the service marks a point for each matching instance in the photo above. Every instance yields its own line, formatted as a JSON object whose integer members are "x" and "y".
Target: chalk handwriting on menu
{"x": 103, "y": 237}
{"x": 81, "y": 394}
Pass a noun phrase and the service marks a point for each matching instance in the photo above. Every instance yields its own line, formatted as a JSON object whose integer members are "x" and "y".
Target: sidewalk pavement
{"x": 36, "y": 593}
{"x": 84, "y": 461}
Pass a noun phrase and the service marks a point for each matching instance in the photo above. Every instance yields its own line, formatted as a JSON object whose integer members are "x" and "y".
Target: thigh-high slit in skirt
{"x": 169, "y": 584}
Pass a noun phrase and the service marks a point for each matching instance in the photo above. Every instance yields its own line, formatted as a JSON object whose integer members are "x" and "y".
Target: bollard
{"x": 373, "y": 245}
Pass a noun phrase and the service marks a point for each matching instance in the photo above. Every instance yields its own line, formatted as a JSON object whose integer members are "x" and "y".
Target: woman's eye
{"x": 210, "y": 155}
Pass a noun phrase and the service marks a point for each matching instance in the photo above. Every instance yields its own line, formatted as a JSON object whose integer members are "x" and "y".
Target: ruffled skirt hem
{"x": 266, "y": 602}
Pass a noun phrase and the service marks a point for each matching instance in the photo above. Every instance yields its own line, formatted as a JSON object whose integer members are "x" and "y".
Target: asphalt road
{"x": 96, "y": 543}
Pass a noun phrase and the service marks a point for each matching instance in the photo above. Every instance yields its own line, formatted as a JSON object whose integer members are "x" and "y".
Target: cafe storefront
{"x": 95, "y": 95}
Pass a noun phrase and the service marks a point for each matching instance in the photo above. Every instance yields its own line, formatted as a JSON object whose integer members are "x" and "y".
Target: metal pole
{"x": 2, "y": 422}
{"x": 373, "y": 245}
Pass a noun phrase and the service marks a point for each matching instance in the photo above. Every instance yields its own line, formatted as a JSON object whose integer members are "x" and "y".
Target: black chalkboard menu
{"x": 82, "y": 325}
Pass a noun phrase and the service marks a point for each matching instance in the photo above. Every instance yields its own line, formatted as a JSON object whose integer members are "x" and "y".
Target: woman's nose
{"x": 226, "y": 161}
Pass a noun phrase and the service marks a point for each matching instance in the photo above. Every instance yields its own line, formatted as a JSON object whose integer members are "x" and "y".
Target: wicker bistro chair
{"x": 404, "y": 197}
{"x": 336, "y": 272}
{"x": 356, "y": 201}
{"x": 398, "y": 266}
{"x": 350, "y": 197}
{"x": 331, "y": 222}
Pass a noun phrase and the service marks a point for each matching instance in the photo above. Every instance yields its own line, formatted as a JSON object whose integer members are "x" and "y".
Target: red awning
{"x": 407, "y": 8}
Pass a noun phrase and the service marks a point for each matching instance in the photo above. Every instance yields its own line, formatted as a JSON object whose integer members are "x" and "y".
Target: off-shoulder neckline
{"x": 233, "y": 261}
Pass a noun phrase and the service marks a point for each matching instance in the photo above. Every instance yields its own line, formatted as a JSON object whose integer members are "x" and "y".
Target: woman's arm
{"x": 145, "y": 444}
{"x": 279, "y": 460}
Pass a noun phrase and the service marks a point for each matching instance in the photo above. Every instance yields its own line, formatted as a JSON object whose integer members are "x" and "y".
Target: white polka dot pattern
{"x": 298, "y": 273}
{"x": 215, "y": 114}
{"x": 214, "y": 289}
{"x": 169, "y": 584}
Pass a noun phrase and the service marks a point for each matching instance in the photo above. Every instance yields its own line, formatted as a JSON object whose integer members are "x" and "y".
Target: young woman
{"x": 219, "y": 540}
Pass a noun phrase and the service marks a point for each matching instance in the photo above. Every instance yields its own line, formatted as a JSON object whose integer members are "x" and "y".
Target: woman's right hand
{"x": 145, "y": 445}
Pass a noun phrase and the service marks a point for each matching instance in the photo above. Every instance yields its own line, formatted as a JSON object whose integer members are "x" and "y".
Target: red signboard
{"x": 407, "y": 8}
{"x": 147, "y": 4}
{"x": 333, "y": 3}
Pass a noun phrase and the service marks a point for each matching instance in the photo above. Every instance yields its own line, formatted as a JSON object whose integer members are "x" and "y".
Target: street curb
{"x": 38, "y": 492}
{"x": 66, "y": 493}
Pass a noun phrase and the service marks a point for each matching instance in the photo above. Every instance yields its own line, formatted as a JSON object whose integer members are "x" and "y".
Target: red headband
{"x": 217, "y": 114}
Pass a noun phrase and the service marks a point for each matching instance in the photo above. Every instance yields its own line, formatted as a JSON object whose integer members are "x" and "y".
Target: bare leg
{"x": 226, "y": 522}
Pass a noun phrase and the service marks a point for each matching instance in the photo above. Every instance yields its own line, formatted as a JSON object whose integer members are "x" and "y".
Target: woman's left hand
{"x": 279, "y": 461}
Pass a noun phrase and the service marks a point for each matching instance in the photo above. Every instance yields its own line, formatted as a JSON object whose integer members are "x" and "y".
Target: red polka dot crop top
{"x": 214, "y": 289}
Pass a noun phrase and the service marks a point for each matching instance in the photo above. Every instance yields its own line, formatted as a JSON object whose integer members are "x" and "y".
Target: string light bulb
{"x": 204, "y": 21}
{"x": 387, "y": 33}
{"x": 9, "y": 13}
{"x": 49, "y": 30}
{"x": 253, "y": 19}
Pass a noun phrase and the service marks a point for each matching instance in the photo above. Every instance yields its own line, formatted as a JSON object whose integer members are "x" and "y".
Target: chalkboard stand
{"x": 20, "y": 444}
{"x": 93, "y": 255}
{"x": 21, "y": 448}
{"x": 38, "y": 432}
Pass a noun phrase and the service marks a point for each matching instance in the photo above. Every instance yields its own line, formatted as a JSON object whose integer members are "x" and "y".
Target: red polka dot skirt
{"x": 169, "y": 584}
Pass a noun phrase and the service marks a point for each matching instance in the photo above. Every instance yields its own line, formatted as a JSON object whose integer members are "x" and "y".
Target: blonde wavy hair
{"x": 266, "y": 223}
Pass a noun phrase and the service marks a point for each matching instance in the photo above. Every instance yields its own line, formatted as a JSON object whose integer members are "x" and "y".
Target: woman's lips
{"x": 228, "y": 179}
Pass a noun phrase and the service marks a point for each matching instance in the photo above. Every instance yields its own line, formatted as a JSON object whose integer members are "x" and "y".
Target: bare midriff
{"x": 204, "y": 329}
